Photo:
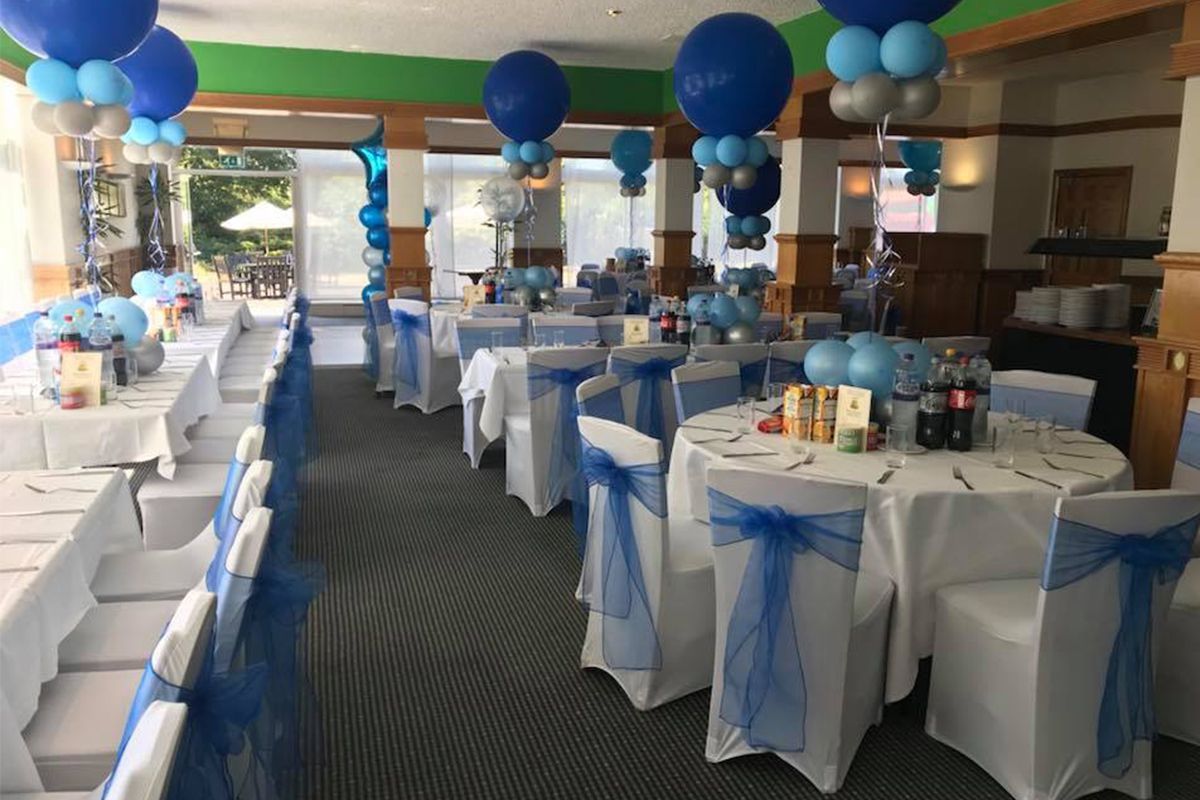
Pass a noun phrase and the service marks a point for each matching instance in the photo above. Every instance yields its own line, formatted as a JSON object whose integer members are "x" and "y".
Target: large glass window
{"x": 903, "y": 211}
{"x": 16, "y": 276}
{"x": 460, "y": 238}
{"x": 708, "y": 221}
{"x": 598, "y": 220}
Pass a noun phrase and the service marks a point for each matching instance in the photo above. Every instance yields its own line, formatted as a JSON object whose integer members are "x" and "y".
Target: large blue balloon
{"x": 880, "y": 16}
{"x": 164, "y": 75}
{"x": 129, "y": 317}
{"x": 873, "y": 366}
{"x": 921, "y": 155}
{"x": 828, "y": 362}
{"x": 759, "y": 198}
{"x": 748, "y": 309}
{"x": 76, "y": 31}
{"x": 146, "y": 283}
{"x": 631, "y": 151}
{"x": 733, "y": 74}
{"x": 539, "y": 278}
{"x": 864, "y": 338}
{"x": 723, "y": 311}
{"x": 526, "y": 96}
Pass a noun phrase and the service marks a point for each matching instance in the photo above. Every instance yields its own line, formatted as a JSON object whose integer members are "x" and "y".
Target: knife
{"x": 1036, "y": 478}
{"x": 886, "y": 476}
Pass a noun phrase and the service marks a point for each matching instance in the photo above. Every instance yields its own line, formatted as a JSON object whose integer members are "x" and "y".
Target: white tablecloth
{"x": 500, "y": 378}
{"x": 924, "y": 529}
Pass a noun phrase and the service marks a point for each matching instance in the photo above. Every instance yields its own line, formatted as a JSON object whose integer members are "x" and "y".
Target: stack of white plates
{"x": 1024, "y": 306}
{"x": 1116, "y": 305}
{"x": 1044, "y": 305}
{"x": 1081, "y": 307}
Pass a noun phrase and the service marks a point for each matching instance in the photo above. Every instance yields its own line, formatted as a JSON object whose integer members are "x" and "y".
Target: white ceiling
{"x": 646, "y": 35}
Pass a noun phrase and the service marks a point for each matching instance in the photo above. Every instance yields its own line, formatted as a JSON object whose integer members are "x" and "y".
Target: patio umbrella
{"x": 264, "y": 216}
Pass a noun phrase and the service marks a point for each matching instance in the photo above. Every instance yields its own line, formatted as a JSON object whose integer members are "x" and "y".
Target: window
{"x": 459, "y": 237}
{"x": 708, "y": 221}
{"x": 598, "y": 219}
{"x": 903, "y": 211}
{"x": 16, "y": 270}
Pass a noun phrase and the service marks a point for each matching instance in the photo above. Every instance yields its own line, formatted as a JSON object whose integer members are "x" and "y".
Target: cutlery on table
{"x": 1083, "y": 455}
{"x": 54, "y": 489}
{"x": 1052, "y": 465}
{"x": 706, "y": 428}
{"x": 746, "y": 455}
{"x": 958, "y": 473}
{"x": 810, "y": 458}
{"x": 32, "y": 568}
{"x": 1039, "y": 480}
{"x": 886, "y": 476}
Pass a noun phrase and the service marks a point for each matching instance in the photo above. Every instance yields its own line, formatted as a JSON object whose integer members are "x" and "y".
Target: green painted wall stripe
{"x": 250, "y": 69}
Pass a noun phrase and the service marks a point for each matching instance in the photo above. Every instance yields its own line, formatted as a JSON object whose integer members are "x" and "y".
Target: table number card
{"x": 474, "y": 295}
{"x": 637, "y": 331}
{"x": 853, "y": 408}
{"x": 81, "y": 375}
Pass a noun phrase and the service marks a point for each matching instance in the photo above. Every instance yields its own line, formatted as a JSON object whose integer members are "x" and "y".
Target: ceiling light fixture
{"x": 614, "y": 12}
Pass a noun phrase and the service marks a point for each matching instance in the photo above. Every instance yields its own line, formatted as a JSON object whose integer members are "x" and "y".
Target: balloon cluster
{"x": 531, "y": 287}
{"x": 734, "y": 318}
{"x": 746, "y": 225}
{"x": 886, "y": 60}
{"x": 866, "y": 360}
{"x": 733, "y": 75}
{"x": 631, "y": 154}
{"x": 526, "y": 97}
{"x": 631, "y": 254}
{"x": 527, "y": 159}
{"x": 923, "y": 159}
{"x": 165, "y": 79}
{"x": 89, "y": 101}
{"x": 377, "y": 255}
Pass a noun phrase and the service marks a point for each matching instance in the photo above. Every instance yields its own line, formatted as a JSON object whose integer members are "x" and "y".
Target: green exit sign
{"x": 237, "y": 161}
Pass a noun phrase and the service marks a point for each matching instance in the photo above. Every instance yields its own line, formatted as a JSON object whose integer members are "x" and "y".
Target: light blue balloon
{"x": 922, "y": 355}
{"x": 548, "y": 152}
{"x": 731, "y": 151}
{"x": 143, "y": 131}
{"x": 52, "y": 81}
{"x": 723, "y": 311}
{"x": 172, "y": 132}
{"x": 180, "y": 281}
{"x": 853, "y": 52}
{"x": 126, "y": 92}
{"x": 909, "y": 49}
{"x": 514, "y": 277}
{"x": 129, "y": 317}
{"x": 146, "y": 283}
{"x": 101, "y": 82}
{"x": 756, "y": 151}
{"x": 699, "y": 301}
{"x": 531, "y": 152}
{"x": 748, "y": 309}
{"x": 828, "y": 363}
{"x": 539, "y": 278}
{"x": 510, "y": 152}
{"x": 79, "y": 308}
{"x": 704, "y": 150}
{"x": 864, "y": 338}
{"x": 733, "y": 225}
{"x": 873, "y": 366}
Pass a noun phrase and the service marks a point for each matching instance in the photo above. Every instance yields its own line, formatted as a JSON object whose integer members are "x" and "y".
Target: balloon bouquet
{"x": 377, "y": 255}
{"x": 631, "y": 153}
{"x": 923, "y": 159}
{"x": 867, "y": 360}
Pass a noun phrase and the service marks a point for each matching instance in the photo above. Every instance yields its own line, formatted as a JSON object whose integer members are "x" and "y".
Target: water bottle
{"x": 983, "y": 396}
{"x": 45, "y": 343}
{"x": 100, "y": 341}
{"x": 120, "y": 359}
{"x": 906, "y": 395}
{"x": 198, "y": 302}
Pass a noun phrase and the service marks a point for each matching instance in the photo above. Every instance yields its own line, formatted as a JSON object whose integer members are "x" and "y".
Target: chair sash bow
{"x": 752, "y": 373}
{"x": 651, "y": 375}
{"x": 407, "y": 368}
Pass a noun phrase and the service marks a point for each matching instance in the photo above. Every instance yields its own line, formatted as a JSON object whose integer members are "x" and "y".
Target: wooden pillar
{"x": 1169, "y": 364}
{"x": 671, "y": 270}
{"x": 406, "y": 143}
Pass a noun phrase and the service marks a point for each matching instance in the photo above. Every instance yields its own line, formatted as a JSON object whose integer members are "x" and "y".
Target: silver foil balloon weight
{"x": 919, "y": 97}
{"x": 740, "y": 333}
{"x": 744, "y": 177}
{"x": 626, "y": 192}
{"x": 874, "y": 96}
{"x": 716, "y": 175}
{"x": 547, "y": 297}
{"x": 149, "y": 355}
{"x": 525, "y": 296}
{"x": 757, "y": 242}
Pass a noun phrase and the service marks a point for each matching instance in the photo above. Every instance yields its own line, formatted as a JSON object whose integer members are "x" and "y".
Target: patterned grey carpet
{"x": 445, "y": 649}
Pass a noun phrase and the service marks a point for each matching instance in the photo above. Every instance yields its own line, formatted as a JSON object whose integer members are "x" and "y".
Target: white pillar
{"x": 808, "y": 195}
{"x": 406, "y": 188}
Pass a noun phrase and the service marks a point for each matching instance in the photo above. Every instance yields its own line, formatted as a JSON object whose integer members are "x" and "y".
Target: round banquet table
{"x": 923, "y": 528}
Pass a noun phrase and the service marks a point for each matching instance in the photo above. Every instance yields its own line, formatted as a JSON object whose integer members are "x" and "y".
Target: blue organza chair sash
{"x": 407, "y": 370}
{"x": 629, "y": 638}
{"x": 605, "y": 405}
{"x": 371, "y": 352}
{"x": 1067, "y": 409}
{"x": 1189, "y": 441}
{"x": 696, "y": 397}
{"x": 650, "y": 374}
{"x": 785, "y": 370}
{"x": 381, "y": 313}
{"x": 1078, "y": 550}
{"x": 752, "y": 373}
{"x": 763, "y": 689}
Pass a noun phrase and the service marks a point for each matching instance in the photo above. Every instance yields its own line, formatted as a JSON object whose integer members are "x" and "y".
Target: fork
{"x": 1052, "y": 465}
{"x": 958, "y": 473}
{"x": 810, "y": 458}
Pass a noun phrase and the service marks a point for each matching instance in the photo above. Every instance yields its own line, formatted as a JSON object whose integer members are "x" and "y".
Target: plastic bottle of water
{"x": 983, "y": 396}
{"x": 120, "y": 358}
{"x": 100, "y": 341}
{"x": 45, "y": 343}
{"x": 906, "y": 394}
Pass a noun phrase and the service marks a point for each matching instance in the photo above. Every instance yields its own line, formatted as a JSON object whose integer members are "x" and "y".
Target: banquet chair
{"x": 214, "y": 437}
{"x": 769, "y": 326}
{"x": 421, "y": 378}
{"x": 798, "y": 667}
{"x": 169, "y": 574}
{"x": 751, "y": 360}
{"x": 1067, "y": 398}
{"x": 76, "y": 733}
{"x": 820, "y": 325}
{"x": 646, "y": 581}
{"x": 645, "y": 374}
{"x": 1049, "y": 685}
{"x": 476, "y": 334}
{"x": 964, "y": 345}
{"x": 542, "y": 458}
{"x": 785, "y": 361}
{"x": 381, "y": 315}
{"x": 601, "y": 397}
{"x": 1177, "y": 694}
{"x": 591, "y": 309}
{"x": 586, "y": 277}
{"x": 704, "y": 386}
{"x": 575, "y": 330}
{"x": 572, "y": 295}
{"x": 607, "y": 287}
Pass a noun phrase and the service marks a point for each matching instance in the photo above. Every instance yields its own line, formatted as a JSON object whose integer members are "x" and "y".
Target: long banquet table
{"x": 923, "y": 528}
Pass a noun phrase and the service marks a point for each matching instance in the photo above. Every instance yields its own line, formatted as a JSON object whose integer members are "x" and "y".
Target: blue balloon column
{"x": 526, "y": 97}
{"x": 631, "y": 154}
{"x": 377, "y": 255}
{"x": 923, "y": 159}
{"x": 747, "y": 225}
{"x": 733, "y": 75}
{"x": 165, "y": 79}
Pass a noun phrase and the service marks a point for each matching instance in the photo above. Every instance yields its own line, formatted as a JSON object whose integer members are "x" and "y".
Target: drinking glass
{"x": 1006, "y": 446}
{"x": 539, "y": 340}
{"x": 131, "y": 371}
{"x": 19, "y": 397}
{"x": 898, "y": 444}
{"x": 775, "y": 396}
{"x": 497, "y": 342}
{"x": 1045, "y": 434}
{"x": 745, "y": 414}
{"x": 560, "y": 338}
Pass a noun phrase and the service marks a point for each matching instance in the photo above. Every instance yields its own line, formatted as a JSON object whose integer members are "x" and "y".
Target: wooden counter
{"x": 1106, "y": 335}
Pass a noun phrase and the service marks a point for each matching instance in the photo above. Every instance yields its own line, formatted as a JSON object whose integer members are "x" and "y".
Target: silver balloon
{"x": 135, "y": 153}
{"x": 524, "y": 296}
{"x": 757, "y": 242}
{"x": 626, "y": 192}
{"x": 539, "y": 171}
{"x": 874, "y": 96}
{"x": 547, "y": 297}
{"x": 738, "y": 242}
{"x": 706, "y": 334}
{"x": 43, "y": 118}
{"x": 740, "y": 333}
{"x": 372, "y": 256}
{"x": 502, "y": 199}
{"x": 841, "y": 102}
{"x": 914, "y": 190}
{"x": 641, "y": 191}
{"x": 74, "y": 118}
{"x": 919, "y": 97}
{"x": 716, "y": 175}
{"x": 161, "y": 152}
{"x": 929, "y": 190}
{"x": 112, "y": 121}
{"x": 148, "y": 354}
{"x": 518, "y": 170}
{"x": 744, "y": 176}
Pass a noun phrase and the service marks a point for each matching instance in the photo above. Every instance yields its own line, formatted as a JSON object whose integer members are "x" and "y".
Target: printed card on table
{"x": 637, "y": 331}
{"x": 853, "y": 408}
{"x": 475, "y": 294}
{"x": 81, "y": 373}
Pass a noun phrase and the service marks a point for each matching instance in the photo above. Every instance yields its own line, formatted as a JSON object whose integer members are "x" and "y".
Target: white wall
{"x": 1185, "y": 233}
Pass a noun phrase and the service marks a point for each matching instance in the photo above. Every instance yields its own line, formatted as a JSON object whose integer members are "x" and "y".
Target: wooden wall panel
{"x": 672, "y": 271}
{"x": 998, "y": 296}
{"x": 537, "y": 256}
{"x": 408, "y": 267}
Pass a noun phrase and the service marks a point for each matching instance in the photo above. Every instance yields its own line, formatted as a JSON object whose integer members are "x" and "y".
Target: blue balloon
{"x": 921, "y": 155}
{"x": 378, "y": 196}
{"x": 164, "y": 75}
{"x": 378, "y": 237}
{"x": 377, "y": 276}
{"x": 372, "y": 216}
{"x": 864, "y": 338}
{"x": 146, "y": 283}
{"x": 731, "y": 151}
{"x": 733, "y": 74}
{"x": 880, "y": 16}
{"x": 143, "y": 131}
{"x": 52, "y": 81}
{"x": 631, "y": 151}
{"x": 172, "y": 132}
{"x": 531, "y": 152}
{"x": 922, "y": 355}
{"x": 704, "y": 150}
{"x": 723, "y": 311}
{"x": 80, "y": 309}
{"x": 428, "y": 217}
{"x": 873, "y": 366}
{"x": 639, "y": 181}
{"x": 510, "y": 152}
{"x": 853, "y": 52}
{"x": 76, "y": 31}
{"x": 539, "y": 278}
{"x": 526, "y": 96}
{"x": 909, "y": 49}
{"x": 733, "y": 225}
{"x": 548, "y": 152}
{"x": 514, "y": 277}
{"x": 756, "y": 151}
{"x": 755, "y": 226}
{"x": 102, "y": 82}
{"x": 748, "y": 309}
{"x": 759, "y": 198}
{"x": 939, "y": 63}
{"x": 698, "y": 301}
{"x": 367, "y": 291}
{"x": 180, "y": 282}
{"x": 128, "y": 315}
{"x": 387, "y": 256}
{"x": 828, "y": 362}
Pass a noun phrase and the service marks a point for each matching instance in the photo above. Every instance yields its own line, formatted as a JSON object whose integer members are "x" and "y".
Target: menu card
{"x": 637, "y": 331}
{"x": 81, "y": 375}
{"x": 853, "y": 408}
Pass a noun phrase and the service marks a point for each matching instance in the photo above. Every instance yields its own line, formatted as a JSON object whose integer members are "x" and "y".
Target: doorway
{"x": 1095, "y": 200}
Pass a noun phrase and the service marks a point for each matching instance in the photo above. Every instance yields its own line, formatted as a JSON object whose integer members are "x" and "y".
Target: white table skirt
{"x": 923, "y": 528}
{"x": 502, "y": 382}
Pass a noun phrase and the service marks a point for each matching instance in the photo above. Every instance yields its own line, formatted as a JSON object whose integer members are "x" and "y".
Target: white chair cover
{"x": 646, "y": 590}
{"x": 147, "y": 763}
{"x": 472, "y": 335}
{"x": 750, "y": 358}
{"x": 572, "y": 295}
{"x": 227, "y": 426}
{"x": 1067, "y": 398}
{"x": 769, "y": 326}
{"x": 785, "y": 363}
{"x": 420, "y": 377}
{"x": 576, "y": 331}
{"x": 234, "y": 585}
{"x": 704, "y": 386}
{"x": 381, "y": 315}
{"x": 645, "y": 374}
{"x": 601, "y": 397}
{"x": 964, "y": 345}
{"x": 1049, "y": 685}
{"x": 801, "y": 633}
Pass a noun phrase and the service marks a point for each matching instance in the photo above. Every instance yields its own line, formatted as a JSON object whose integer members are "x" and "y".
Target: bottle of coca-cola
{"x": 665, "y": 323}
{"x": 933, "y": 407}
{"x": 962, "y": 406}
